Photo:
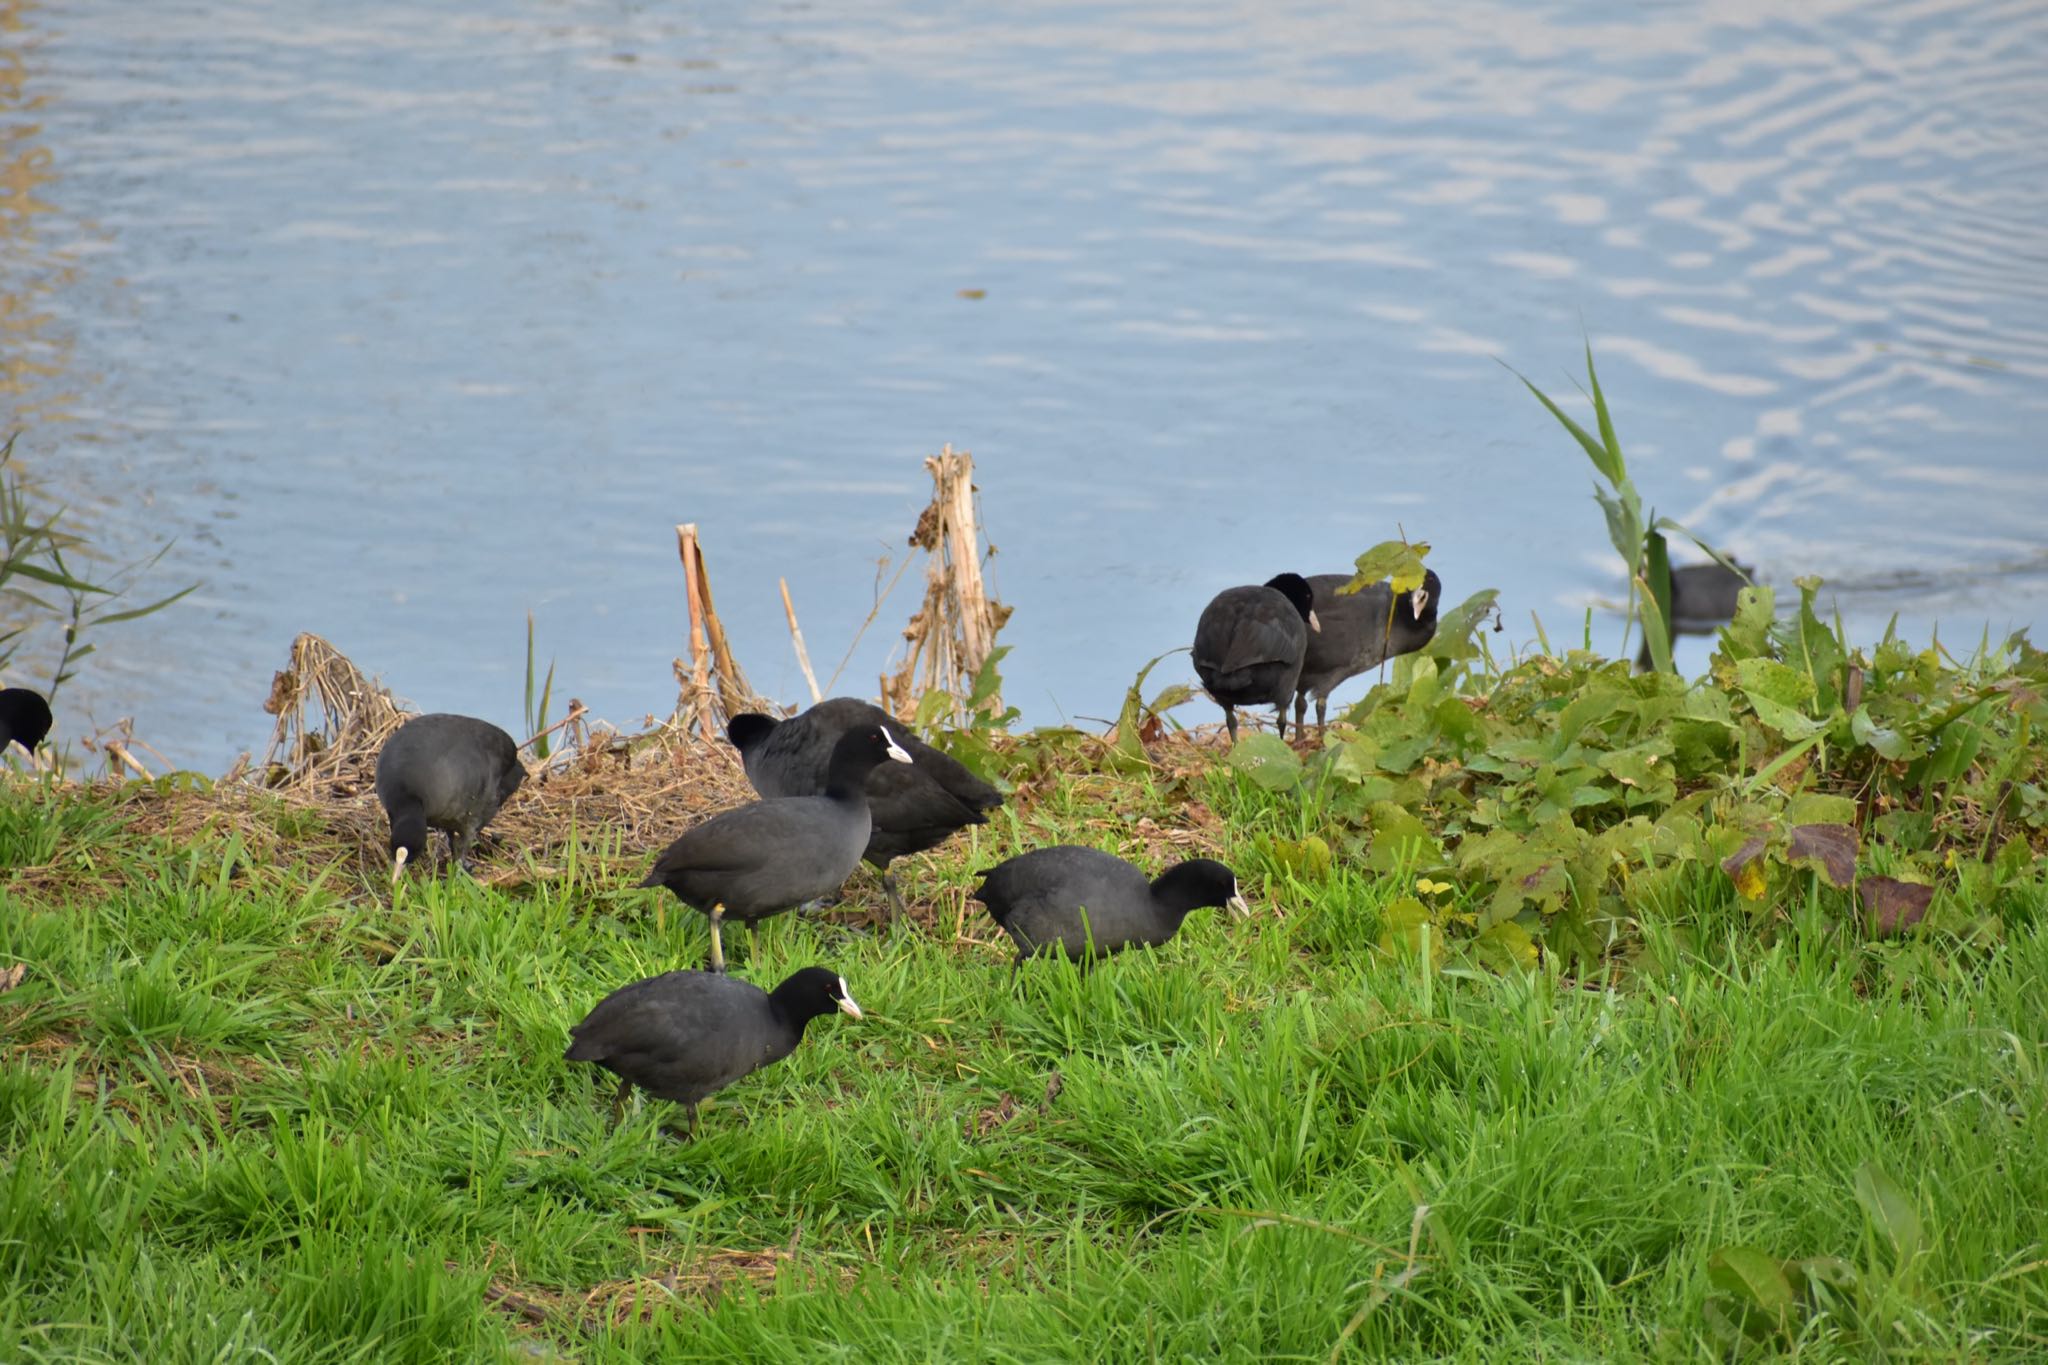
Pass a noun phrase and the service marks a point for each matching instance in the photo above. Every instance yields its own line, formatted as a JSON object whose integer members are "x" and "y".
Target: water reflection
{"x": 411, "y": 318}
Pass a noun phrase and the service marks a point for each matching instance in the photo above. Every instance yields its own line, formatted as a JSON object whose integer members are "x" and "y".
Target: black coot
{"x": 1071, "y": 900}
{"x": 1356, "y": 636}
{"x": 760, "y": 859}
{"x": 682, "y": 1035}
{"x": 911, "y": 808}
{"x": 1703, "y": 599}
{"x": 444, "y": 772}
{"x": 1249, "y": 644}
{"x": 25, "y": 718}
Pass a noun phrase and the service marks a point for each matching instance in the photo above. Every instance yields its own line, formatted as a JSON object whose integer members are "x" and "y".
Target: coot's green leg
{"x": 717, "y": 947}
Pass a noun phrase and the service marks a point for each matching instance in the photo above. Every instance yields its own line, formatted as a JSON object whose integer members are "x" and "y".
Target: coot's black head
{"x": 25, "y": 716}
{"x": 1422, "y": 602}
{"x": 1296, "y": 590}
{"x": 743, "y": 732}
{"x": 408, "y": 839}
{"x": 806, "y": 994}
{"x": 857, "y": 754}
{"x": 1199, "y": 882}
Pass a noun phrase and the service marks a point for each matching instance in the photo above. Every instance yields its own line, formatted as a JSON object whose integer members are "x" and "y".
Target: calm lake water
{"x": 408, "y": 319}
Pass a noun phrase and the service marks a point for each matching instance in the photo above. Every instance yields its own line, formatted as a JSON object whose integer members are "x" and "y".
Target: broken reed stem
{"x": 733, "y": 692}
{"x": 120, "y": 751}
{"x": 577, "y": 710}
{"x": 954, "y": 630}
{"x": 700, "y": 665}
{"x": 796, "y": 635}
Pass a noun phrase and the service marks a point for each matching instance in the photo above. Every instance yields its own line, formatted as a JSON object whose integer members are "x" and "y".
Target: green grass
{"x": 248, "y": 1111}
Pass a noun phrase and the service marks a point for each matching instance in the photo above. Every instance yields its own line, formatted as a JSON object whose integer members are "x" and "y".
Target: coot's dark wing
{"x": 1246, "y": 627}
{"x": 1038, "y": 898}
{"x": 744, "y": 837}
{"x": 911, "y": 813}
{"x": 1356, "y": 631}
{"x": 947, "y": 772}
{"x": 681, "y": 1035}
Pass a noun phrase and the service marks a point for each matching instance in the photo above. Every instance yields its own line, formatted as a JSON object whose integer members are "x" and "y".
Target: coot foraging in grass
{"x": 760, "y": 859}
{"x": 1361, "y": 630}
{"x": 682, "y": 1035}
{"x": 1703, "y": 599}
{"x": 444, "y": 772}
{"x": 24, "y": 718}
{"x": 1249, "y": 645}
{"x": 911, "y": 808}
{"x": 1074, "y": 900}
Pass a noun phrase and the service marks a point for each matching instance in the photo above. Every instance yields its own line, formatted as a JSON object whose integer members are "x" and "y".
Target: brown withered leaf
{"x": 1828, "y": 849}
{"x": 993, "y": 1117}
{"x": 10, "y": 977}
{"x": 1053, "y": 1085}
{"x": 1893, "y": 906}
{"x": 1745, "y": 867}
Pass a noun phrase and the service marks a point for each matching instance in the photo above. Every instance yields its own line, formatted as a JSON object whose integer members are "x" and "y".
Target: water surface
{"x": 409, "y": 319}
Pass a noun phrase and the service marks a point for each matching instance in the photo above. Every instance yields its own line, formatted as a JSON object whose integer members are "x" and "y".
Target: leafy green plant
{"x": 1637, "y": 535}
{"x": 537, "y": 712}
{"x": 38, "y": 586}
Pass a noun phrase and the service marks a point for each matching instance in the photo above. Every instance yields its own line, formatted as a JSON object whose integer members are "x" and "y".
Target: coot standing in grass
{"x": 1361, "y": 630}
{"x": 763, "y": 858}
{"x": 444, "y": 772}
{"x": 1249, "y": 644}
{"x": 25, "y": 718}
{"x": 1073, "y": 900}
{"x": 910, "y": 808}
{"x": 682, "y": 1035}
{"x": 1703, "y": 599}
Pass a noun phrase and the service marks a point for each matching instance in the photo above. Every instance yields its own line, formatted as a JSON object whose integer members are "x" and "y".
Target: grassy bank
{"x": 249, "y": 1109}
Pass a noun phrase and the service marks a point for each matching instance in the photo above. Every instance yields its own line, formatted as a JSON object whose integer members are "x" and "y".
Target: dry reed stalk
{"x": 954, "y": 630}
{"x": 697, "y": 685}
{"x": 803, "y": 656}
{"x": 337, "y": 753}
{"x": 715, "y": 690}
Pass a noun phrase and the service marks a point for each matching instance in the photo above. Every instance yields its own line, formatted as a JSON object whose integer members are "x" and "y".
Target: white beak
{"x": 901, "y": 755}
{"x": 1313, "y": 624}
{"x": 398, "y": 864}
{"x": 1236, "y": 906}
{"x": 1417, "y": 600}
{"x": 846, "y": 1005}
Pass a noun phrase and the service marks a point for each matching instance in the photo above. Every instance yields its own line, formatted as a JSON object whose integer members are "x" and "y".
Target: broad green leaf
{"x": 1308, "y": 858}
{"x": 1267, "y": 760}
{"x": 1769, "y": 678}
{"x": 1784, "y": 719}
{"x": 1891, "y": 1213}
{"x": 1755, "y": 1279}
{"x": 1400, "y": 841}
{"x": 1401, "y": 925}
{"x": 1507, "y": 944}
{"x": 1655, "y": 587}
{"x": 1817, "y": 808}
{"x": 1394, "y": 562}
{"x": 1885, "y": 740}
{"x": 1456, "y": 628}
{"x": 1749, "y": 634}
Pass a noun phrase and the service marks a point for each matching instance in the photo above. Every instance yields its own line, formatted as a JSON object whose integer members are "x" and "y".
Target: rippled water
{"x": 407, "y": 319}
